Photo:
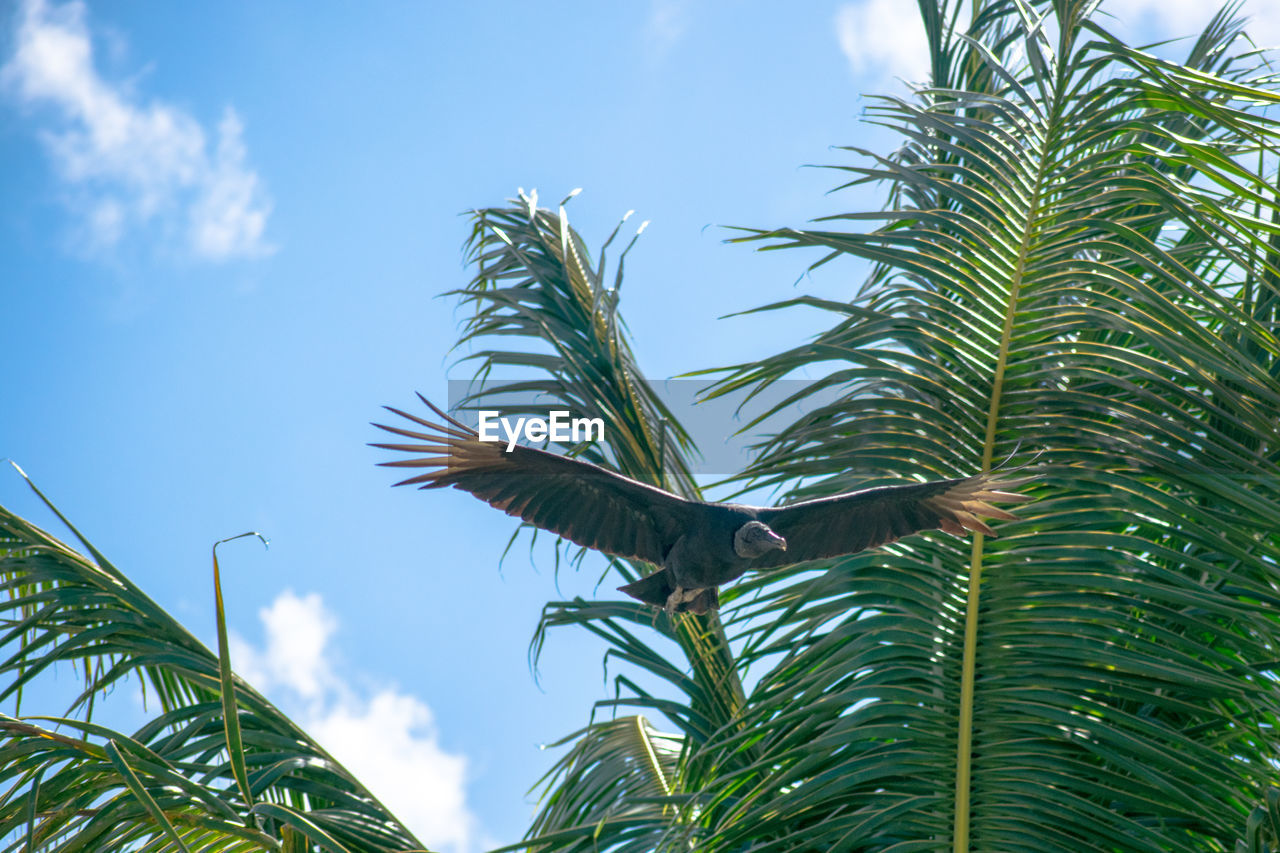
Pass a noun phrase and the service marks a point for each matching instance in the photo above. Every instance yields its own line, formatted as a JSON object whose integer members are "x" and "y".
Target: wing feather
{"x": 580, "y": 501}
{"x": 855, "y": 521}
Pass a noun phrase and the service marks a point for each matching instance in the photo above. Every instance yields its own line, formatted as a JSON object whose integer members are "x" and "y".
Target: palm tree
{"x": 219, "y": 768}
{"x": 1077, "y": 258}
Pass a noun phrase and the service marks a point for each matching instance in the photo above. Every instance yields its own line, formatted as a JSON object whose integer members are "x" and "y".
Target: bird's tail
{"x": 656, "y": 589}
{"x": 651, "y": 589}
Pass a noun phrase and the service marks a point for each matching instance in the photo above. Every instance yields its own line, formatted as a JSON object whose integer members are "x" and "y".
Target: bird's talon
{"x": 678, "y": 597}
{"x": 674, "y": 600}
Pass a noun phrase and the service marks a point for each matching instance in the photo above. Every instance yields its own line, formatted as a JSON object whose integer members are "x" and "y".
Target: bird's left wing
{"x": 580, "y": 501}
{"x": 855, "y": 521}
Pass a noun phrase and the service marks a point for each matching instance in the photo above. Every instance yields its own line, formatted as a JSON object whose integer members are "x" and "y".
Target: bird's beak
{"x": 777, "y": 541}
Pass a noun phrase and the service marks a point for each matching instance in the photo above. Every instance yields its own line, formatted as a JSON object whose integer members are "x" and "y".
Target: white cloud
{"x": 883, "y": 39}
{"x": 1176, "y": 18}
{"x": 297, "y": 628}
{"x": 131, "y": 162}
{"x": 387, "y": 739}
{"x": 390, "y": 741}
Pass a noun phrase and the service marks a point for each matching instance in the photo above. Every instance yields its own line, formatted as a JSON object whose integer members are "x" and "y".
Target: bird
{"x": 695, "y": 546}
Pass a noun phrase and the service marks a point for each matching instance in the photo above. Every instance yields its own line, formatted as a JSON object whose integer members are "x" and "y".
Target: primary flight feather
{"x": 697, "y": 545}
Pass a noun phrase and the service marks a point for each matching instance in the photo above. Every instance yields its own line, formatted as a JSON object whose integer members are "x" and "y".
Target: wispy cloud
{"x": 883, "y": 39}
{"x": 668, "y": 20}
{"x": 131, "y": 162}
{"x": 1175, "y": 18}
{"x": 387, "y": 738}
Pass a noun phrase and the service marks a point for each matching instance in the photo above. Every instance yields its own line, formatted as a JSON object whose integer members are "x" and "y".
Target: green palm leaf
{"x": 174, "y": 780}
{"x": 619, "y": 779}
{"x": 1061, "y": 269}
{"x": 535, "y": 288}
{"x": 536, "y": 285}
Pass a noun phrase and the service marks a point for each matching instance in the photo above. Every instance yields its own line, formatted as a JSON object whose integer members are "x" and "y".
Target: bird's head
{"x": 754, "y": 539}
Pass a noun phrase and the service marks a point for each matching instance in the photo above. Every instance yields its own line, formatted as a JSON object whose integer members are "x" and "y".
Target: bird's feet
{"x": 693, "y": 600}
{"x": 679, "y": 596}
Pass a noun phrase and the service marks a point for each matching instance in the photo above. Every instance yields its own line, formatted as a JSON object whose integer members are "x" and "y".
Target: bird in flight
{"x": 696, "y": 545}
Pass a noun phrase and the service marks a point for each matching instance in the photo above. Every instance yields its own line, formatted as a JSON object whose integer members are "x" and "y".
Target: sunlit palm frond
{"x": 1063, "y": 271}
{"x": 72, "y": 784}
{"x": 537, "y": 286}
{"x": 621, "y": 774}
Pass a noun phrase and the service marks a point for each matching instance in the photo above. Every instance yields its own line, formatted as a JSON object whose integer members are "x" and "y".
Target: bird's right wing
{"x": 580, "y": 501}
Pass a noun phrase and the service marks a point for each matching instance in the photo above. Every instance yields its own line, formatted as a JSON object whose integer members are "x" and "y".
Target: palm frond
{"x": 1262, "y": 831}
{"x": 174, "y": 779}
{"x": 1063, "y": 269}
{"x": 536, "y": 284}
{"x": 621, "y": 774}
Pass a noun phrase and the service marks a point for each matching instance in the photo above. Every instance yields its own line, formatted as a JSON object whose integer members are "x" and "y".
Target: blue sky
{"x": 224, "y": 229}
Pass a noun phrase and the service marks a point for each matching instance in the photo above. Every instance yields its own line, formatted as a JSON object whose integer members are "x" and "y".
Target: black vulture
{"x": 697, "y": 546}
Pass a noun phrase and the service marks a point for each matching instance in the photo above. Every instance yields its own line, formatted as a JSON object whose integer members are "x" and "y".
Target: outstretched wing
{"x": 855, "y": 521}
{"x": 580, "y": 501}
